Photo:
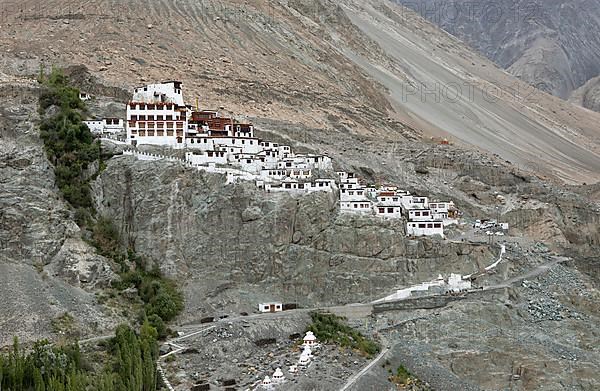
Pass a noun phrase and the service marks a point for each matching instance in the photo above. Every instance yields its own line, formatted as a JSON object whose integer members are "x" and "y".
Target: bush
{"x": 331, "y": 328}
{"x": 402, "y": 377}
{"x": 157, "y": 322}
{"x": 107, "y": 240}
{"x": 160, "y": 296}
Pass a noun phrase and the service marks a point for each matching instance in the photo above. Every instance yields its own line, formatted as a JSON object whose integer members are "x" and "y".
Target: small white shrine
{"x": 267, "y": 382}
{"x": 293, "y": 369}
{"x": 307, "y": 351}
{"x": 310, "y": 339}
{"x": 278, "y": 376}
{"x": 304, "y": 360}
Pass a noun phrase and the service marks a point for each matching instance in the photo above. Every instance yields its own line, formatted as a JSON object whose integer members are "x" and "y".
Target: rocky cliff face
{"x": 46, "y": 269}
{"x": 552, "y": 44}
{"x": 227, "y": 239}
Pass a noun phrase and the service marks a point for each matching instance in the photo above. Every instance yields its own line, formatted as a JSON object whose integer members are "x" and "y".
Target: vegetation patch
{"x": 161, "y": 299}
{"x": 333, "y": 329}
{"x": 65, "y": 325}
{"x": 68, "y": 142}
{"x": 131, "y": 365}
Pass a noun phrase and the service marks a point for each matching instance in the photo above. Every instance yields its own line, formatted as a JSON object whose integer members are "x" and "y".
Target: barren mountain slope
{"x": 340, "y": 66}
{"x": 553, "y": 44}
{"x": 588, "y": 95}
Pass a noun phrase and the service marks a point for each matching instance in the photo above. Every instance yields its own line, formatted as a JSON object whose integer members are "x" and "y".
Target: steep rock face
{"x": 46, "y": 269}
{"x": 230, "y": 238}
{"x": 552, "y": 44}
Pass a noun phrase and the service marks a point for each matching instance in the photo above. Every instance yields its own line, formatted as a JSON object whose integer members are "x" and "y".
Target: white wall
{"x": 425, "y": 228}
{"x": 147, "y": 93}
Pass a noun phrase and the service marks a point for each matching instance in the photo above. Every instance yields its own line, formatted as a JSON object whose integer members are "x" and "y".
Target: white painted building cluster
{"x": 424, "y": 218}
{"x": 454, "y": 284}
{"x": 157, "y": 115}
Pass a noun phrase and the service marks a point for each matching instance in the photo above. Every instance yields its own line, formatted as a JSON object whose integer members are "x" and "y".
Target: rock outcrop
{"x": 46, "y": 269}
{"x": 230, "y": 238}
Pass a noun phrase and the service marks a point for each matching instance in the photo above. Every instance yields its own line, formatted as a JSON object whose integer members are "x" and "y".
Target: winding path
{"x": 354, "y": 378}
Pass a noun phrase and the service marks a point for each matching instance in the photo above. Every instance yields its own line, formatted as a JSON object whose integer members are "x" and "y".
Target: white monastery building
{"x": 157, "y": 115}
{"x": 423, "y": 218}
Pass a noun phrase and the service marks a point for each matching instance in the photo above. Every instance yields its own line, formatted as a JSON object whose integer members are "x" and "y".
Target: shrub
{"x": 106, "y": 239}
{"x": 333, "y": 329}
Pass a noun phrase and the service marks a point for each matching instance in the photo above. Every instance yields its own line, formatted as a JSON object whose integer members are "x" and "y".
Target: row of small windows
{"x": 358, "y": 206}
{"x": 136, "y": 106}
{"x": 159, "y": 125}
{"x": 428, "y": 225}
{"x": 153, "y": 117}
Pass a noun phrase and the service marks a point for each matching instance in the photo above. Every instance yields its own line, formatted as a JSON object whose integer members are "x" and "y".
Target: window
{"x": 417, "y": 213}
{"x": 429, "y": 225}
{"x": 390, "y": 210}
{"x": 422, "y": 225}
{"x": 381, "y": 210}
{"x": 425, "y": 213}
{"x": 160, "y": 118}
{"x": 355, "y": 206}
{"x": 437, "y": 225}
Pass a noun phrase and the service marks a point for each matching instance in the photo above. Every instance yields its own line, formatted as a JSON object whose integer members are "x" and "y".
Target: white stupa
{"x": 278, "y": 376}
{"x": 310, "y": 339}
{"x": 304, "y": 360}
{"x": 307, "y": 351}
{"x": 267, "y": 382}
